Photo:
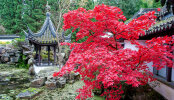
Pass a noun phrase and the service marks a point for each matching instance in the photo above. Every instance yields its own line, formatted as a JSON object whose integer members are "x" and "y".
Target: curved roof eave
{"x": 47, "y": 25}
{"x": 52, "y": 28}
{"x": 41, "y": 32}
{"x": 66, "y": 37}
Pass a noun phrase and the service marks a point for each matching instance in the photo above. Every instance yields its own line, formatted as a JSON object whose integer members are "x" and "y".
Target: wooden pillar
{"x": 48, "y": 55}
{"x": 36, "y": 55}
{"x": 54, "y": 55}
{"x": 39, "y": 56}
{"x": 169, "y": 74}
{"x": 169, "y": 70}
{"x": 36, "y": 48}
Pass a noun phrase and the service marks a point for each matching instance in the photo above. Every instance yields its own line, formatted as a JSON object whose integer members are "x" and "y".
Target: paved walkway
{"x": 37, "y": 69}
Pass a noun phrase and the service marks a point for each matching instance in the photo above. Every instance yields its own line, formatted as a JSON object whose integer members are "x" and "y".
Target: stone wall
{"x": 11, "y": 55}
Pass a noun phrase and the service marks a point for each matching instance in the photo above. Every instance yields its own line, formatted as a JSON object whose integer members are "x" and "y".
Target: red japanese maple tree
{"x": 103, "y": 62}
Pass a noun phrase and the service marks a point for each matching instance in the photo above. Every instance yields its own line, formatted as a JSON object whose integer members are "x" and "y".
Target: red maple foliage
{"x": 103, "y": 62}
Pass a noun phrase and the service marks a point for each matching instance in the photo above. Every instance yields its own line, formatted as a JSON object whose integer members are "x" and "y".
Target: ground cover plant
{"x": 102, "y": 62}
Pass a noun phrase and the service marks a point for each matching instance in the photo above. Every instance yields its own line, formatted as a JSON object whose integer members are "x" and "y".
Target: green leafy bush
{"x": 3, "y": 43}
{"x": 17, "y": 42}
{"x": 22, "y": 62}
{"x": 44, "y": 55}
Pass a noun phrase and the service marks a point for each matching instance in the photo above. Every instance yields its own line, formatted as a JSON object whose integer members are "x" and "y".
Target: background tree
{"x": 169, "y": 4}
{"x": 15, "y": 15}
{"x": 130, "y": 7}
{"x": 9, "y": 18}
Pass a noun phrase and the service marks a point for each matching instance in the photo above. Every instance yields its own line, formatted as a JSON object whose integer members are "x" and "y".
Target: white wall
{"x": 172, "y": 74}
{"x": 127, "y": 44}
{"x": 5, "y": 40}
{"x": 163, "y": 89}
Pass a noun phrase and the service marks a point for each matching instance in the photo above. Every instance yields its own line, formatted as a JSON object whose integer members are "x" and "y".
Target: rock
{"x": 51, "y": 85}
{"x": 61, "y": 82}
{"x": 31, "y": 71}
{"x": 2, "y": 50}
{"x": 28, "y": 93}
{"x": 76, "y": 76}
{"x": 71, "y": 81}
{"x": 9, "y": 46}
{"x": 30, "y": 62}
{"x": 14, "y": 59}
{"x": 11, "y": 53}
{"x": 26, "y": 47}
{"x": 30, "y": 56}
{"x": 5, "y": 97}
{"x": 38, "y": 82}
{"x": 71, "y": 77}
{"x": 63, "y": 54}
{"x": 27, "y": 53}
{"x": 17, "y": 54}
{"x": 5, "y": 58}
{"x": 5, "y": 77}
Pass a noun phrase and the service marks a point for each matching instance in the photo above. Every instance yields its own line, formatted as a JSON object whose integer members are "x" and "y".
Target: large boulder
{"x": 14, "y": 59}
{"x": 28, "y": 93}
{"x": 9, "y": 46}
{"x": 26, "y": 53}
{"x": 26, "y": 47}
{"x": 11, "y": 53}
{"x": 31, "y": 70}
{"x": 2, "y": 51}
{"x": 31, "y": 62}
{"x": 5, "y": 97}
{"x": 76, "y": 76}
{"x": 51, "y": 85}
{"x": 5, "y": 57}
{"x": 38, "y": 82}
{"x": 61, "y": 82}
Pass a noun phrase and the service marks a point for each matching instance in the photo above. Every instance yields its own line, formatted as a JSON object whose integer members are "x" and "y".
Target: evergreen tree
{"x": 10, "y": 12}
{"x": 34, "y": 14}
{"x": 17, "y": 14}
{"x": 129, "y": 7}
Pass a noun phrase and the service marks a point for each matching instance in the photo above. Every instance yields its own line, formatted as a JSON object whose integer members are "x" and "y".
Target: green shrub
{"x": 44, "y": 55}
{"x": 17, "y": 42}
{"x": 22, "y": 62}
{"x": 4, "y": 43}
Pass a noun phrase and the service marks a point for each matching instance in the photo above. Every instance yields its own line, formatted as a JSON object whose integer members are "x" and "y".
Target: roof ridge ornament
{"x": 48, "y": 8}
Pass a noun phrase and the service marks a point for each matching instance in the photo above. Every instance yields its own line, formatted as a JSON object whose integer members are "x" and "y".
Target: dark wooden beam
{"x": 39, "y": 56}
{"x": 169, "y": 70}
{"x": 169, "y": 74}
{"x": 54, "y": 54}
{"x": 48, "y": 55}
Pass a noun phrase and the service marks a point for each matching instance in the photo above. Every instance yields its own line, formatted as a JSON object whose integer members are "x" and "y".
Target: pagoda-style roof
{"x": 164, "y": 23}
{"x": 66, "y": 38}
{"x": 162, "y": 26}
{"x": 142, "y": 11}
{"x": 46, "y": 35}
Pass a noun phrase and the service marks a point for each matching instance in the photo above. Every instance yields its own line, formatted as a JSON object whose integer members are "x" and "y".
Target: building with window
{"x": 164, "y": 26}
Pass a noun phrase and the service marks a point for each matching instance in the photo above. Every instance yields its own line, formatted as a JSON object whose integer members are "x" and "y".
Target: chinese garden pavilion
{"x": 45, "y": 37}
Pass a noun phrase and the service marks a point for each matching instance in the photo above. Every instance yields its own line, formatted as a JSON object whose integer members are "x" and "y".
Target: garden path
{"x": 37, "y": 69}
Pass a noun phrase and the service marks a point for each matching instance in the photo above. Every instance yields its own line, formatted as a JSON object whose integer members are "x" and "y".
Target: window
{"x": 165, "y": 73}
